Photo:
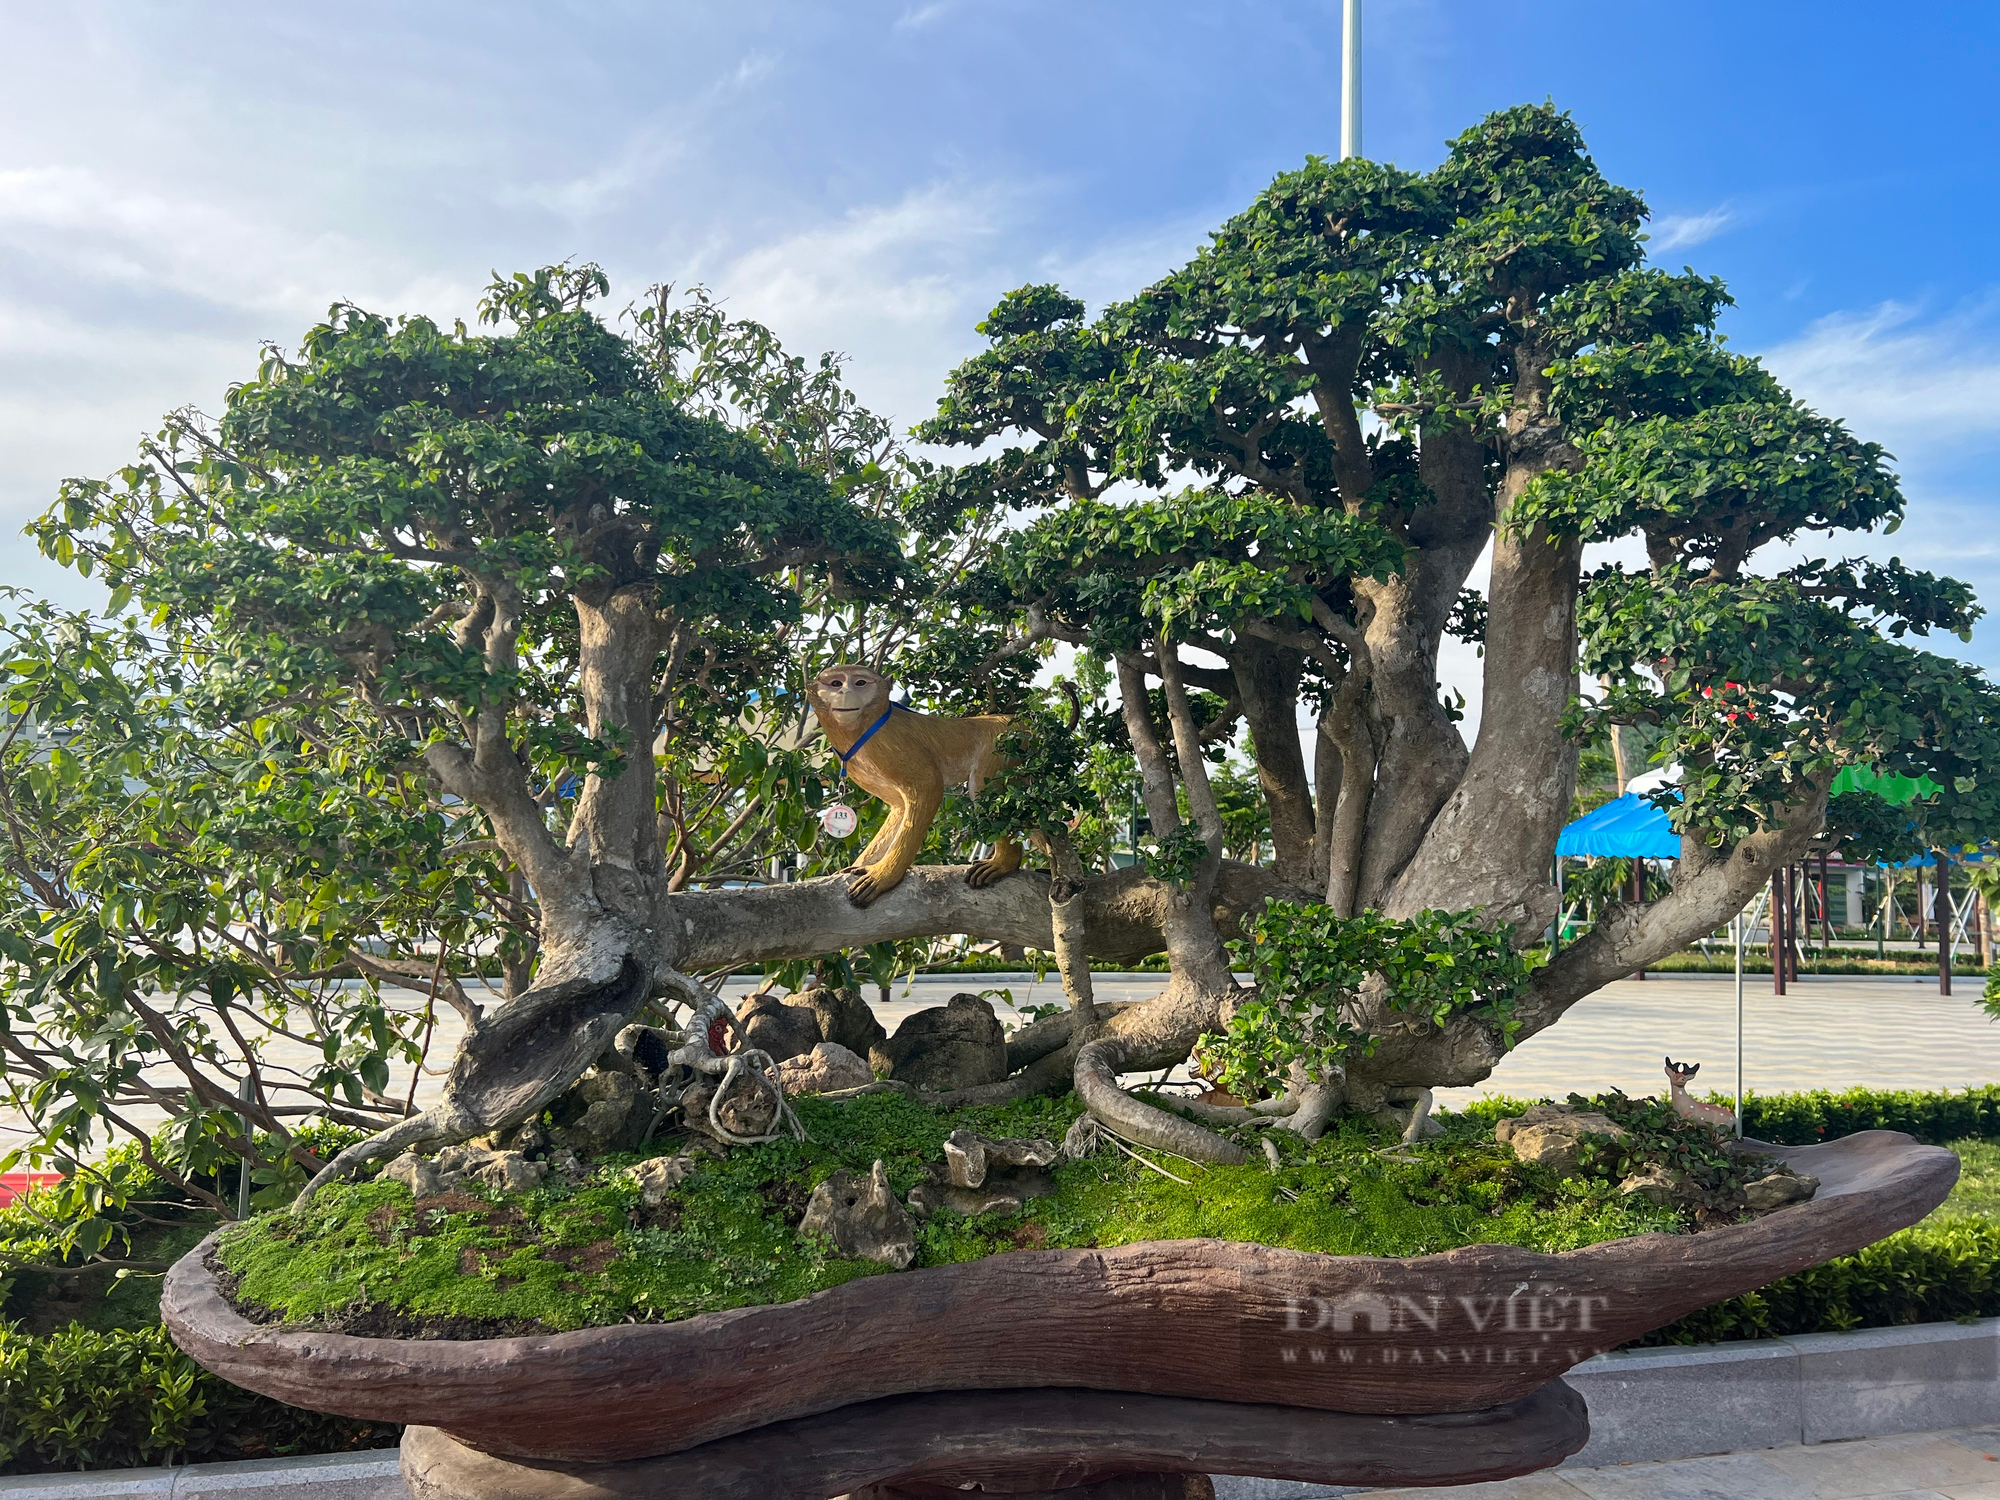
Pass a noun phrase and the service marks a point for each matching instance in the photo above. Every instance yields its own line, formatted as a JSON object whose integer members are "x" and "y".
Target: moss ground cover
{"x": 369, "y": 1257}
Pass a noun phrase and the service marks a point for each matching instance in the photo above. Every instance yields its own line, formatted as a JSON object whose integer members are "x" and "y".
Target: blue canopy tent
{"x": 1628, "y": 827}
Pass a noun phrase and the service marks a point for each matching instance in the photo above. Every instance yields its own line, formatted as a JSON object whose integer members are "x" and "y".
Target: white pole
{"x": 1742, "y": 922}
{"x": 1350, "y": 81}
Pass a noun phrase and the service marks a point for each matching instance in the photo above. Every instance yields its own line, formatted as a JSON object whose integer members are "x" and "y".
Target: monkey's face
{"x": 850, "y": 690}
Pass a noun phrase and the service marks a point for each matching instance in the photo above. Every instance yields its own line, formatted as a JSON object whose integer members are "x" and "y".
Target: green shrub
{"x": 1936, "y": 1117}
{"x": 1928, "y": 1274}
{"x": 83, "y": 1399}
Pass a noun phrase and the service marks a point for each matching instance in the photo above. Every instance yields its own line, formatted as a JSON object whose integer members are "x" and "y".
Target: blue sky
{"x": 180, "y": 182}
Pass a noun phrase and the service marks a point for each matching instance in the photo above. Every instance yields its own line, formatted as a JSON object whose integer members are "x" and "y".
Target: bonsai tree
{"x": 549, "y": 572}
{"x": 1271, "y": 473}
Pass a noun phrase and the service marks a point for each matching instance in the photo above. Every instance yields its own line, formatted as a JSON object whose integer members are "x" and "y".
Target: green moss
{"x": 568, "y": 1256}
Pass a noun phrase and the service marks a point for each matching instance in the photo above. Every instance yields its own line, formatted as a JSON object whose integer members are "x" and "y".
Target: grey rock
{"x": 509, "y": 1171}
{"x": 772, "y": 1026}
{"x": 969, "y": 1156}
{"x": 1777, "y": 1190}
{"x": 1003, "y": 1194}
{"x": 1656, "y": 1185}
{"x": 824, "y": 1070}
{"x": 658, "y": 1177}
{"x": 1552, "y": 1135}
{"x": 984, "y": 1175}
{"x": 601, "y": 1113}
{"x": 957, "y": 1045}
{"x": 844, "y": 1018}
{"x": 862, "y": 1218}
{"x": 747, "y": 1111}
{"x": 416, "y": 1174}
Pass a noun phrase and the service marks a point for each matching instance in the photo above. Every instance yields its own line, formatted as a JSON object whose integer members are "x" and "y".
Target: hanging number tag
{"x": 839, "y": 820}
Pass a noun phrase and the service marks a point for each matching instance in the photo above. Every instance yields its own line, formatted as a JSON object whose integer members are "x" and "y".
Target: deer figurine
{"x": 1678, "y": 1076}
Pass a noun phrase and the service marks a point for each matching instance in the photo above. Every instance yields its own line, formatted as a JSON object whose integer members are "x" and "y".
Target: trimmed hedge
{"x": 1931, "y": 1273}
{"x": 84, "y": 1399}
{"x": 1935, "y": 1117}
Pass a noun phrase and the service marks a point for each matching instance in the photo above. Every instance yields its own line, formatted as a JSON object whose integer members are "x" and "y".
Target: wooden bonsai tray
{"x": 1462, "y": 1331}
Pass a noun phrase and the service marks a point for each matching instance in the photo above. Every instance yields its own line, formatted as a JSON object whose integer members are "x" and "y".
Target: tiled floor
{"x": 1961, "y": 1465}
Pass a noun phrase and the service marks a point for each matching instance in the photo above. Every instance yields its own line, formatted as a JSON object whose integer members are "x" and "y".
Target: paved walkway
{"x": 1830, "y": 1032}
{"x": 1960, "y": 1465}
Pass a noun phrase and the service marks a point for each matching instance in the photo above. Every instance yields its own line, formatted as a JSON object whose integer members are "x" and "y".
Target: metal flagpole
{"x": 1742, "y": 922}
{"x": 1745, "y": 920}
{"x": 1350, "y": 81}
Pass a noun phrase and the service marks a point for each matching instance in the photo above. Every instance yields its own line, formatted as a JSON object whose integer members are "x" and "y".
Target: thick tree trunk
{"x": 1421, "y": 753}
{"x": 1267, "y": 683}
{"x": 615, "y": 831}
{"x": 1492, "y": 843}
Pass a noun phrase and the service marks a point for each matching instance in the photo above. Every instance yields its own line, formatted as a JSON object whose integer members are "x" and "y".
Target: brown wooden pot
{"x": 1034, "y": 1445}
{"x": 1458, "y": 1332}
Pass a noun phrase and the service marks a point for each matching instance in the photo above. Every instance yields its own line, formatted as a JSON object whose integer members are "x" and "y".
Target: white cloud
{"x": 645, "y": 154}
{"x": 100, "y": 230}
{"x": 1678, "y": 231}
{"x": 898, "y": 286}
{"x": 1915, "y": 387}
{"x": 918, "y": 16}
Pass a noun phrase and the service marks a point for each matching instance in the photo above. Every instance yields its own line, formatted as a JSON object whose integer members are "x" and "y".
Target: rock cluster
{"x": 981, "y": 1175}
{"x": 1552, "y": 1135}
{"x": 791, "y": 1026}
{"x": 862, "y": 1218}
{"x": 509, "y": 1171}
{"x": 957, "y": 1045}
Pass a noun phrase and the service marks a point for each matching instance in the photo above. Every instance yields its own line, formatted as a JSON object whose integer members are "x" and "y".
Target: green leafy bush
{"x": 84, "y": 1399}
{"x": 1937, "y": 1117}
{"x": 1928, "y": 1274}
{"x": 1310, "y": 964}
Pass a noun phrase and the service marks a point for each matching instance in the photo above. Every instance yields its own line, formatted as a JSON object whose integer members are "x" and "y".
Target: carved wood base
{"x": 1460, "y": 1331}
{"x": 1043, "y": 1444}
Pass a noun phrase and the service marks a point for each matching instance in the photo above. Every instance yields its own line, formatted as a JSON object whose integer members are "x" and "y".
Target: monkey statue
{"x": 907, "y": 759}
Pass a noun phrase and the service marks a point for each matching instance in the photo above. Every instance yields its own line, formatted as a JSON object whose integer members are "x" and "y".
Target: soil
{"x": 430, "y": 1212}
{"x": 788, "y": 1199}
{"x": 586, "y": 1260}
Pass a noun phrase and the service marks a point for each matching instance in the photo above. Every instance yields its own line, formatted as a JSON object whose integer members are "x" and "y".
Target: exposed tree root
{"x": 1316, "y": 1105}
{"x": 1096, "y": 1080}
